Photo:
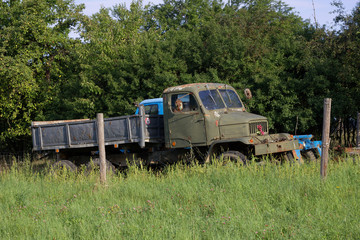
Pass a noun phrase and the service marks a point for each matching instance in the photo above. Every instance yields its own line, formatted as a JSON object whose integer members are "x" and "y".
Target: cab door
{"x": 184, "y": 121}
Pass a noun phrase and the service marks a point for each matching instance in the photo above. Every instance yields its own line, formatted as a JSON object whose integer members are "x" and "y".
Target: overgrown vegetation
{"x": 125, "y": 55}
{"x": 183, "y": 202}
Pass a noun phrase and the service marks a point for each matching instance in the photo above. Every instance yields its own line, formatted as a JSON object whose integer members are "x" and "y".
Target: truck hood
{"x": 240, "y": 124}
{"x": 239, "y": 118}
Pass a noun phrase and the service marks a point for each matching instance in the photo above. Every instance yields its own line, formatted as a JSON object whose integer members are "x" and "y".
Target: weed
{"x": 183, "y": 201}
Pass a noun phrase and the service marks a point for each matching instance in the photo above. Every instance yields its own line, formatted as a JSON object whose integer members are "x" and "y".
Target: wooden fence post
{"x": 325, "y": 138}
{"x": 101, "y": 143}
{"x": 358, "y": 130}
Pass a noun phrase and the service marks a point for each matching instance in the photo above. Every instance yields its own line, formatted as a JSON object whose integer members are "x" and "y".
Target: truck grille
{"x": 254, "y": 127}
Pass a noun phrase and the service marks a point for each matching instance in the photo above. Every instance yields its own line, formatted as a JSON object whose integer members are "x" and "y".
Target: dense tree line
{"x": 124, "y": 55}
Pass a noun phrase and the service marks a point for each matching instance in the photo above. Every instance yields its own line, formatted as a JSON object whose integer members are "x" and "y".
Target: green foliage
{"x": 184, "y": 202}
{"x": 345, "y": 48}
{"x": 125, "y": 55}
{"x": 33, "y": 48}
{"x": 18, "y": 90}
{"x": 107, "y": 59}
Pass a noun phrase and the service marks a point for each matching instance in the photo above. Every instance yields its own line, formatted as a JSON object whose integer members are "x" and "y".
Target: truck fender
{"x": 215, "y": 144}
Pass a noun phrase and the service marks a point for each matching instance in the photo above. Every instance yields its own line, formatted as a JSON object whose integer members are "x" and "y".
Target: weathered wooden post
{"x": 101, "y": 143}
{"x": 358, "y": 131}
{"x": 325, "y": 137}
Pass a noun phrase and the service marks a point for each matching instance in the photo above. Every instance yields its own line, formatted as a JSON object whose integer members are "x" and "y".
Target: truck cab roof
{"x": 152, "y": 106}
{"x": 197, "y": 87}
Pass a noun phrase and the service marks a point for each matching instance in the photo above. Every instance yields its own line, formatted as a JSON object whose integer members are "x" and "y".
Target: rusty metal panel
{"x": 121, "y": 128}
{"x": 40, "y": 123}
{"x": 154, "y": 126}
{"x": 63, "y": 134}
{"x": 276, "y": 147}
{"x": 82, "y": 133}
{"x": 51, "y": 135}
{"x": 233, "y": 131}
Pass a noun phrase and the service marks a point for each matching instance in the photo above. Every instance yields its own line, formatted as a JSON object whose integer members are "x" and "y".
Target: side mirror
{"x": 247, "y": 93}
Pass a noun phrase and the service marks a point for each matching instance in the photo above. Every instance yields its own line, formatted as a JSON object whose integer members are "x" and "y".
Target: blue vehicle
{"x": 310, "y": 150}
{"x": 152, "y": 106}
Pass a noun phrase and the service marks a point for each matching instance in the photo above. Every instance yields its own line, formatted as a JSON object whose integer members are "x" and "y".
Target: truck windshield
{"x": 230, "y": 98}
{"x": 211, "y": 99}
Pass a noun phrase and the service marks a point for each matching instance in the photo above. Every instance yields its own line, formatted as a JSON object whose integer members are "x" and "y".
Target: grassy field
{"x": 183, "y": 202}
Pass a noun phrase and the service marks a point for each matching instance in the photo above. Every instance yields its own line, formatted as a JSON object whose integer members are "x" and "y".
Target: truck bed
{"x": 66, "y": 134}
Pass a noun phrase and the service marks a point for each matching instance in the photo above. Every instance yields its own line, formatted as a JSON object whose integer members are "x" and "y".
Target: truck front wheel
{"x": 233, "y": 156}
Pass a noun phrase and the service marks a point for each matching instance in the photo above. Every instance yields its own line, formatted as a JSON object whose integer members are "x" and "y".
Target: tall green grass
{"x": 183, "y": 202}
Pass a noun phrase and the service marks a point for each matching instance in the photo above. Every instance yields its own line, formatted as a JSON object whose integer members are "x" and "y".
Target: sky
{"x": 304, "y": 8}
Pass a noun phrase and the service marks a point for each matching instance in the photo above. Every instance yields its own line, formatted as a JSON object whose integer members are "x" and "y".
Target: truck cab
{"x": 211, "y": 112}
{"x": 211, "y": 116}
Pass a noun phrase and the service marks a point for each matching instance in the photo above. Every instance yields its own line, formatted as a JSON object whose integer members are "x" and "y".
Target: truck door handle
{"x": 199, "y": 120}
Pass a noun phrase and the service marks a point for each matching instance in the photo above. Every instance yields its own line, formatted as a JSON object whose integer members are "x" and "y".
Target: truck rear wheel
{"x": 95, "y": 164}
{"x": 233, "y": 156}
{"x": 64, "y": 164}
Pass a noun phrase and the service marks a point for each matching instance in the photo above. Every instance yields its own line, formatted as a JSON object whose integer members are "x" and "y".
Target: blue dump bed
{"x": 66, "y": 134}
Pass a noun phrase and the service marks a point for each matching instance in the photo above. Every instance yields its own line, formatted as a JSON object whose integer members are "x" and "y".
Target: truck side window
{"x": 183, "y": 102}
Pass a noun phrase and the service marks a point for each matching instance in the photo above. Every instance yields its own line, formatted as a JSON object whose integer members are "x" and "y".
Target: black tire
{"x": 233, "y": 156}
{"x": 309, "y": 156}
{"x": 95, "y": 164}
{"x": 289, "y": 156}
{"x": 64, "y": 164}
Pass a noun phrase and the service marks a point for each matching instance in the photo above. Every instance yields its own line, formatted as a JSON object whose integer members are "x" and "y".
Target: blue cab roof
{"x": 153, "y": 101}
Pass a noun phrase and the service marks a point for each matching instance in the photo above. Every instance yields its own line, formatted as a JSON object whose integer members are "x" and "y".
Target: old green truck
{"x": 205, "y": 120}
